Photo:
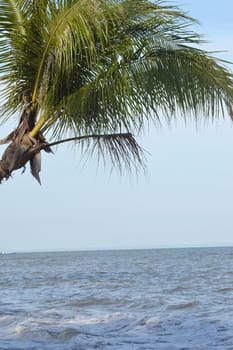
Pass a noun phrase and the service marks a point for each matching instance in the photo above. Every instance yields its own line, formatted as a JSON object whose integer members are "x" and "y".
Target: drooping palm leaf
{"x": 122, "y": 149}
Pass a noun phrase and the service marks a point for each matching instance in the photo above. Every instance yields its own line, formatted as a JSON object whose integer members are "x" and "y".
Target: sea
{"x": 163, "y": 299}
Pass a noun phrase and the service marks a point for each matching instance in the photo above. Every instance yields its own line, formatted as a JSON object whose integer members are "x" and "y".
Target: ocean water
{"x": 173, "y": 299}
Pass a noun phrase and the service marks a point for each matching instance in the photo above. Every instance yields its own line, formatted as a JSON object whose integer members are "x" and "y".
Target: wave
{"x": 225, "y": 290}
{"x": 117, "y": 331}
{"x": 182, "y": 306}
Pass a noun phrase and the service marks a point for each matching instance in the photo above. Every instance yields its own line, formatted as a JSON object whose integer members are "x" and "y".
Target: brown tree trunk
{"x": 22, "y": 148}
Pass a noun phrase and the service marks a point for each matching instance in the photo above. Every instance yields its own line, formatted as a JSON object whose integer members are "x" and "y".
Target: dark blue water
{"x": 137, "y": 299}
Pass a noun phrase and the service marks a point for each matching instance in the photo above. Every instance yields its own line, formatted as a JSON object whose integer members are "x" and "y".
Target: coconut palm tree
{"x": 95, "y": 72}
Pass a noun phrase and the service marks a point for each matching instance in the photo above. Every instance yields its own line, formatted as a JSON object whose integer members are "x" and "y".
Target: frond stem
{"x": 38, "y": 126}
{"x": 77, "y": 138}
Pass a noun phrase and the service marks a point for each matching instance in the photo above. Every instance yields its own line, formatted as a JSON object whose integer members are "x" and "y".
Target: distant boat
{"x": 7, "y": 253}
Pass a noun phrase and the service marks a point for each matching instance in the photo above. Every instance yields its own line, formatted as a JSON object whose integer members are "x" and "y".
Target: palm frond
{"x": 146, "y": 67}
{"x": 129, "y": 93}
{"x": 75, "y": 31}
{"x": 21, "y": 43}
{"x": 11, "y": 11}
{"x": 121, "y": 149}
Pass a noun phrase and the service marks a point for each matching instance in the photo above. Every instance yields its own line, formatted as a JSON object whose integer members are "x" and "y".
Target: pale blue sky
{"x": 185, "y": 200}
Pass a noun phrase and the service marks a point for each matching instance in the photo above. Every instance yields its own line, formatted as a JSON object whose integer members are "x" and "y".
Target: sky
{"x": 183, "y": 200}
